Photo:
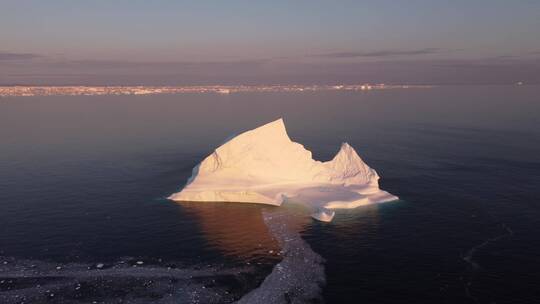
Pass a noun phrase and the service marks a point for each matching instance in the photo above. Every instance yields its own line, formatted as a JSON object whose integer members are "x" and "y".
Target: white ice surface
{"x": 264, "y": 166}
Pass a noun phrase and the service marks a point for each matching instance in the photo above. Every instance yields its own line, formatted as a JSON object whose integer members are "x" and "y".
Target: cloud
{"x": 393, "y": 70}
{"x": 18, "y": 56}
{"x": 123, "y": 72}
{"x": 507, "y": 57}
{"x": 162, "y": 64}
{"x": 381, "y": 53}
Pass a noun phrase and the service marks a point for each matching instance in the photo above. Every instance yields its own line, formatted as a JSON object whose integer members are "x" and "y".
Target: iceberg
{"x": 265, "y": 166}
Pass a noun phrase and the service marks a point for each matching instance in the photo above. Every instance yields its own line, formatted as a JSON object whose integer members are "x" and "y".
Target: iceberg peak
{"x": 271, "y": 131}
{"x": 350, "y": 168}
{"x": 264, "y": 166}
{"x": 278, "y": 125}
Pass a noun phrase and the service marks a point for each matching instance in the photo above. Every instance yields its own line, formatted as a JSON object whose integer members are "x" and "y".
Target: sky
{"x": 272, "y": 42}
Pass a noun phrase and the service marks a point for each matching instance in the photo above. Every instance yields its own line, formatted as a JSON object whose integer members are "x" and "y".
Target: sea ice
{"x": 264, "y": 166}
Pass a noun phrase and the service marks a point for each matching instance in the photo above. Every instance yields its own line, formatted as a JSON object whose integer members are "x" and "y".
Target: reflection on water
{"x": 239, "y": 230}
{"x": 235, "y": 229}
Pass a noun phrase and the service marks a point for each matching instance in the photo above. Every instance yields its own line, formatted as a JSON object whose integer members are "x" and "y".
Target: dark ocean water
{"x": 83, "y": 182}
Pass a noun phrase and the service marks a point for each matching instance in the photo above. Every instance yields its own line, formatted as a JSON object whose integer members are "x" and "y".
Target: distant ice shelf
{"x": 264, "y": 166}
{"x": 18, "y": 91}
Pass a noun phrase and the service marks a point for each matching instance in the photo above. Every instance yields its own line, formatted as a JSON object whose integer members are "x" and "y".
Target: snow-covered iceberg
{"x": 264, "y": 166}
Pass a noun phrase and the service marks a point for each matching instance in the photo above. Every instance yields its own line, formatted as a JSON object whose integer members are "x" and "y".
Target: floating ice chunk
{"x": 264, "y": 166}
{"x": 324, "y": 215}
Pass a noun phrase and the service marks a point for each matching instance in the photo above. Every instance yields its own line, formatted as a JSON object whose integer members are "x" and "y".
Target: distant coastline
{"x": 25, "y": 90}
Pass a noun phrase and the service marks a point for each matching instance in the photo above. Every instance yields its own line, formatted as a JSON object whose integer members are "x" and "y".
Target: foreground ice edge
{"x": 264, "y": 166}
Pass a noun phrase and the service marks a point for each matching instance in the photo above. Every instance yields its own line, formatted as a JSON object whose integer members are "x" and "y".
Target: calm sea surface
{"x": 83, "y": 182}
